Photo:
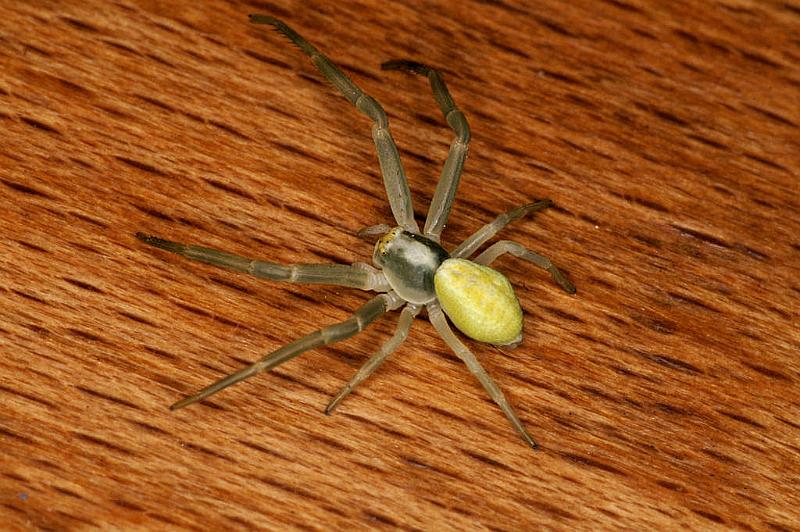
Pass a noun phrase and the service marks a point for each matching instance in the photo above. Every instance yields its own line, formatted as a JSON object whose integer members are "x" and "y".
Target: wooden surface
{"x": 664, "y": 394}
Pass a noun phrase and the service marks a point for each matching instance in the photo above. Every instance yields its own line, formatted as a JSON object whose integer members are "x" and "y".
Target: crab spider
{"x": 412, "y": 270}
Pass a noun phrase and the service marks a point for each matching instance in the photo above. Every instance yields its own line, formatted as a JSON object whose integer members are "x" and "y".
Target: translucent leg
{"x": 327, "y": 335}
{"x": 373, "y": 230}
{"x": 403, "y": 325}
{"x": 479, "y": 237}
{"x": 439, "y": 210}
{"x": 518, "y": 250}
{"x": 440, "y": 324}
{"x": 359, "y": 275}
{"x": 394, "y": 177}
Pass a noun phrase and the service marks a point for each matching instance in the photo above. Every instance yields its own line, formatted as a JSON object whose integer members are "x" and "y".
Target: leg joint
{"x": 457, "y": 121}
{"x": 370, "y": 107}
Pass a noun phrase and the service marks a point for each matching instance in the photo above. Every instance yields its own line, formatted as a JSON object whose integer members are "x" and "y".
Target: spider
{"x": 412, "y": 270}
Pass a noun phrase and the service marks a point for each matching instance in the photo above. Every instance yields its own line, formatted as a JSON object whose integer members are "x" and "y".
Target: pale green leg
{"x": 518, "y": 250}
{"x": 327, "y": 335}
{"x": 394, "y": 177}
{"x": 358, "y": 275}
{"x": 442, "y": 201}
{"x": 373, "y": 230}
{"x": 482, "y": 235}
{"x": 403, "y": 326}
{"x": 440, "y": 324}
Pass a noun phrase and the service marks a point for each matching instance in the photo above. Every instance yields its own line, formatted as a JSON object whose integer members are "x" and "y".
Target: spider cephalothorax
{"x": 412, "y": 270}
{"x": 409, "y": 262}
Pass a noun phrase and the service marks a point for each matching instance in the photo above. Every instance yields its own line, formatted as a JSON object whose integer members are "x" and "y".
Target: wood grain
{"x": 664, "y": 394}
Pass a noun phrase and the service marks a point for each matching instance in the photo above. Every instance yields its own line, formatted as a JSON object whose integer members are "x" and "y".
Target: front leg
{"x": 439, "y": 210}
{"x": 394, "y": 177}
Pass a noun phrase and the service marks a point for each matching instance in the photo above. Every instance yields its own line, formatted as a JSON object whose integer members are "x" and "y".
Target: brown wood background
{"x": 664, "y": 393}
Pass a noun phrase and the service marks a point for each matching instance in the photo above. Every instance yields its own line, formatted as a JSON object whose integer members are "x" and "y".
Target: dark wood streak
{"x": 30, "y": 297}
{"x": 708, "y": 142}
{"x": 741, "y": 419}
{"x": 83, "y": 285}
{"x": 299, "y": 152}
{"x": 569, "y": 80}
{"x": 487, "y": 460}
{"x": 390, "y": 431}
{"x": 232, "y": 285}
{"x": 557, "y": 512}
{"x": 140, "y": 165}
{"x": 767, "y": 162}
{"x": 709, "y": 239}
{"x": 554, "y": 26}
{"x": 107, "y": 397}
{"x": 624, "y": 6}
{"x": 160, "y": 60}
{"x": 121, "y": 47}
{"x": 206, "y": 314}
{"x": 652, "y": 205}
{"x": 710, "y": 516}
{"x": 197, "y": 448}
{"x": 668, "y": 362}
{"x": 90, "y": 220}
{"x": 306, "y": 382}
{"x": 227, "y": 187}
{"x": 103, "y": 443}
{"x": 262, "y": 449}
{"x": 375, "y": 516}
{"x": 775, "y": 117}
{"x": 229, "y": 129}
{"x": 194, "y": 224}
{"x": 592, "y": 463}
{"x": 18, "y": 437}
{"x": 309, "y": 495}
{"x": 81, "y": 25}
{"x": 157, "y": 102}
{"x": 68, "y": 493}
{"x": 25, "y": 189}
{"x": 149, "y": 428}
{"x": 768, "y": 372}
{"x": 508, "y": 48}
{"x": 128, "y": 505}
{"x": 87, "y": 335}
{"x": 38, "y": 124}
{"x": 137, "y": 319}
{"x": 160, "y": 352}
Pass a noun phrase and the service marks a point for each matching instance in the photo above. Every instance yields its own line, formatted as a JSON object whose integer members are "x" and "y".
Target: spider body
{"x": 412, "y": 270}
{"x": 478, "y": 299}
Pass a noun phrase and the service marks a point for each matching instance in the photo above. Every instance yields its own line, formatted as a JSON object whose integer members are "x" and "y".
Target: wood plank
{"x": 664, "y": 394}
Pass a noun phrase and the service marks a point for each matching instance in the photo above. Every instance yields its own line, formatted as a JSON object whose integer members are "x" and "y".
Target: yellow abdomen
{"x": 479, "y": 301}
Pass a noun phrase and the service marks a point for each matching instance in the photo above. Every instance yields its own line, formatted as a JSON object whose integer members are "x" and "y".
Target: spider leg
{"x": 327, "y": 335}
{"x": 439, "y": 210}
{"x": 394, "y": 177}
{"x": 358, "y": 275}
{"x": 373, "y": 230}
{"x": 518, "y": 250}
{"x": 479, "y": 237}
{"x": 440, "y": 324}
{"x": 403, "y": 325}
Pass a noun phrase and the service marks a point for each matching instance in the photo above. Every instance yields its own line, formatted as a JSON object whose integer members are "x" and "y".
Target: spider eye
{"x": 382, "y": 246}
